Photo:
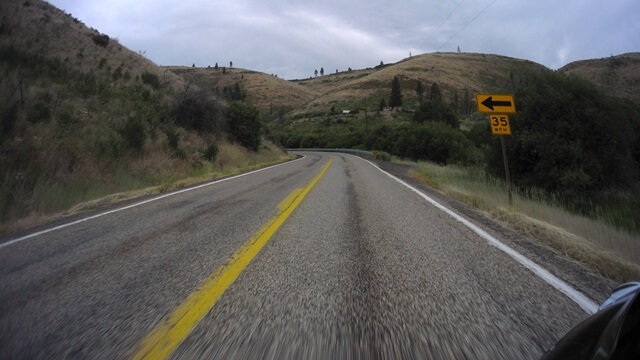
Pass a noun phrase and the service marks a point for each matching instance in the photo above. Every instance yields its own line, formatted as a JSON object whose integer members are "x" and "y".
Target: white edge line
{"x": 14, "y": 241}
{"x": 584, "y": 302}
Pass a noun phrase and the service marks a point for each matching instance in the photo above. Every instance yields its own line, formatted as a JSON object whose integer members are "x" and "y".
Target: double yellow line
{"x": 173, "y": 329}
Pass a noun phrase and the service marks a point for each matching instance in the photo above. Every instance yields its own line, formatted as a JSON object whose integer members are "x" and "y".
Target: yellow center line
{"x": 173, "y": 329}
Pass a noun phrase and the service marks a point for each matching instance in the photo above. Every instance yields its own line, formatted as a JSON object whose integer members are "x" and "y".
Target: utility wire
{"x": 442, "y": 23}
{"x": 469, "y": 23}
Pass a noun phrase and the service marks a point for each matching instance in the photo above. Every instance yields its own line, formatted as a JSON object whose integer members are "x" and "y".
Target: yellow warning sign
{"x": 491, "y": 103}
{"x": 500, "y": 125}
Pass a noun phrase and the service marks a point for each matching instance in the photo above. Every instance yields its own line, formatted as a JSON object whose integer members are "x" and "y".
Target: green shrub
{"x": 40, "y": 112}
{"x": 384, "y": 156}
{"x": 101, "y": 40}
{"x": 436, "y": 111}
{"x": 570, "y": 137}
{"x": 150, "y": 79}
{"x": 211, "y": 152}
{"x": 66, "y": 121}
{"x": 133, "y": 134}
{"x": 117, "y": 74}
{"x": 194, "y": 110}
{"x": 172, "y": 137}
{"x": 109, "y": 145}
{"x": 243, "y": 123}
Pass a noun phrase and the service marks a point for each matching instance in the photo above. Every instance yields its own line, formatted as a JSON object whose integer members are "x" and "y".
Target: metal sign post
{"x": 506, "y": 170}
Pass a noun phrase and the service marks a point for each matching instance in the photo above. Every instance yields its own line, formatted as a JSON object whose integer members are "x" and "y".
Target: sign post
{"x": 497, "y": 106}
{"x": 506, "y": 170}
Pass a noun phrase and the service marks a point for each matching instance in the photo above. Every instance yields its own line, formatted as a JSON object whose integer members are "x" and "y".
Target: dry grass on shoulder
{"x": 232, "y": 159}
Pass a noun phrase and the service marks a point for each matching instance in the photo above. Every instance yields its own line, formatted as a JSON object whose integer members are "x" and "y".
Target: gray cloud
{"x": 292, "y": 38}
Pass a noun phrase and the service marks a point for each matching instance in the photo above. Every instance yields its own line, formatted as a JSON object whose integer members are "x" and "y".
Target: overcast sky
{"x": 293, "y": 38}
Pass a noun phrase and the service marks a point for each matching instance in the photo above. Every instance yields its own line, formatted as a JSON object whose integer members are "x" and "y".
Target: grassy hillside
{"x": 618, "y": 75}
{"x": 82, "y": 117}
{"x": 457, "y": 76}
{"x": 456, "y": 73}
{"x": 269, "y": 93}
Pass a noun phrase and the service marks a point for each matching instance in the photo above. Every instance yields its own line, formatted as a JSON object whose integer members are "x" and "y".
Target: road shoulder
{"x": 574, "y": 273}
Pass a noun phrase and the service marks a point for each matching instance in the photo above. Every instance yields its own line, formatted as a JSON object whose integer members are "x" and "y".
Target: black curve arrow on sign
{"x": 488, "y": 102}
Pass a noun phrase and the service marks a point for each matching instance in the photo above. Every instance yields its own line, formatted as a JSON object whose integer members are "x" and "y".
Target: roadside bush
{"x": 571, "y": 138}
{"x": 108, "y": 145}
{"x": 309, "y": 142}
{"x": 243, "y": 123}
{"x": 133, "y": 134}
{"x": 172, "y": 137}
{"x": 384, "y": 156}
{"x": 211, "y": 152}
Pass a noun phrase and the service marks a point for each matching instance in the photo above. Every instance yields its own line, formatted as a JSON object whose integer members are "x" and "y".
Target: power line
{"x": 469, "y": 23}
{"x": 442, "y": 23}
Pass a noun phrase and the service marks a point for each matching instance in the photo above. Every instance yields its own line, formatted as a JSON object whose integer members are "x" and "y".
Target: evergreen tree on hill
{"x": 396, "y": 94}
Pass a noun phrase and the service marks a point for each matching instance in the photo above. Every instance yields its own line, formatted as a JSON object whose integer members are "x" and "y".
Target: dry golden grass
{"x": 607, "y": 250}
{"x": 619, "y": 75}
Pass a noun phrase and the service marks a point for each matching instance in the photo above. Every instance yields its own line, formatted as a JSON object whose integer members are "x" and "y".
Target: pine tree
{"x": 396, "y": 94}
{"x": 435, "y": 94}
{"x": 419, "y": 91}
{"x": 455, "y": 100}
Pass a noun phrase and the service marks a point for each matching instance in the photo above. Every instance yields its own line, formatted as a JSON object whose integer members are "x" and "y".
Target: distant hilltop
{"x": 618, "y": 74}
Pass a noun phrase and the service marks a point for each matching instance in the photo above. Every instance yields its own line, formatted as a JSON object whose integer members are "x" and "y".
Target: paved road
{"x": 362, "y": 268}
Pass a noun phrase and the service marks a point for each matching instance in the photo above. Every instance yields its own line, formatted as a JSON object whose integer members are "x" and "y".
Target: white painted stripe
{"x": 584, "y": 302}
{"x": 14, "y": 241}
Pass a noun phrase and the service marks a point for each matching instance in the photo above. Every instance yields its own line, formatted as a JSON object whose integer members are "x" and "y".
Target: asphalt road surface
{"x": 360, "y": 267}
